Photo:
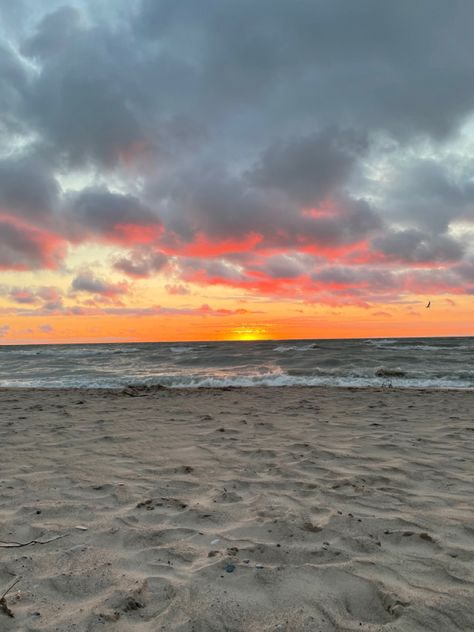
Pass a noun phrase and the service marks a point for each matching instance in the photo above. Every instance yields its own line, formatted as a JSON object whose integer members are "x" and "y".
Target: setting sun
{"x": 249, "y": 333}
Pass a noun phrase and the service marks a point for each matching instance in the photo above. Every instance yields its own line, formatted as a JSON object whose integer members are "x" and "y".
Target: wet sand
{"x": 293, "y": 509}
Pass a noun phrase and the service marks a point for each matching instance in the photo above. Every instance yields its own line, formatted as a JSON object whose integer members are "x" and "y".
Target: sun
{"x": 248, "y": 333}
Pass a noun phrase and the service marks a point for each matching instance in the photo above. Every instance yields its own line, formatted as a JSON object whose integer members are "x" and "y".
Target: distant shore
{"x": 240, "y": 509}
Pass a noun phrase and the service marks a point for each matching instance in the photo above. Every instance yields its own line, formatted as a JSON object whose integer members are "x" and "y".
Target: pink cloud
{"x": 25, "y": 247}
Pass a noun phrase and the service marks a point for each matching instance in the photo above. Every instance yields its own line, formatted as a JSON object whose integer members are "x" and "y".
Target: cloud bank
{"x": 319, "y": 150}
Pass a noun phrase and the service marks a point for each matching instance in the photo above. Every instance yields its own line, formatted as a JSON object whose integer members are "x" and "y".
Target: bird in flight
{"x": 429, "y": 304}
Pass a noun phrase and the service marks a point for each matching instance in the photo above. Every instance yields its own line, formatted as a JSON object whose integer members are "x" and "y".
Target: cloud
{"x": 214, "y": 206}
{"x": 203, "y": 311}
{"x": 47, "y": 298}
{"x": 318, "y": 149}
{"x": 431, "y": 193}
{"x": 4, "y": 329}
{"x": 324, "y": 59}
{"x": 81, "y": 101}
{"x": 27, "y": 188}
{"x": 286, "y": 266}
{"x": 309, "y": 169}
{"x": 24, "y": 297}
{"x": 177, "y": 290}
{"x": 13, "y": 92}
{"x": 24, "y": 247}
{"x": 87, "y": 282}
{"x": 97, "y": 213}
{"x": 53, "y": 33}
{"x": 141, "y": 263}
{"x": 411, "y": 245}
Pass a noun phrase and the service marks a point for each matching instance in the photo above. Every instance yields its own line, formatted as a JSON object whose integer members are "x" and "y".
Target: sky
{"x": 235, "y": 169}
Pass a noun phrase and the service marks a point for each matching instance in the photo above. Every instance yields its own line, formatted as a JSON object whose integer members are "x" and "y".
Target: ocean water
{"x": 437, "y": 363}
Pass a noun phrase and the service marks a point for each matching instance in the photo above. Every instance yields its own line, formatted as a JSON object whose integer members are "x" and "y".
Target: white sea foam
{"x": 381, "y": 341}
{"x": 405, "y": 345}
{"x": 271, "y": 379}
{"x": 182, "y": 349}
{"x": 288, "y": 348}
{"x": 419, "y": 363}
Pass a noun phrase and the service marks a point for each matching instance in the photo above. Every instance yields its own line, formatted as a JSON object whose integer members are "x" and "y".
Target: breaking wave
{"x": 401, "y": 363}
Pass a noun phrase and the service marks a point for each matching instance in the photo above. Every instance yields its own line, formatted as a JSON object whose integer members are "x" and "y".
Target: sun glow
{"x": 249, "y": 333}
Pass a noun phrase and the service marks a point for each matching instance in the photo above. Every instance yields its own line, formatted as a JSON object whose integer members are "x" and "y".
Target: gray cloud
{"x": 13, "y": 92}
{"x": 286, "y": 266}
{"x": 27, "y": 188}
{"x": 50, "y": 298}
{"x": 411, "y": 245}
{"x": 254, "y": 71}
{"x": 310, "y": 168}
{"x": 220, "y": 123}
{"x": 224, "y": 206}
{"x": 431, "y": 193}
{"x": 97, "y": 211}
{"x": 141, "y": 263}
{"x": 373, "y": 278}
{"x": 177, "y": 290}
{"x": 25, "y": 248}
{"x": 87, "y": 282}
{"x": 390, "y": 66}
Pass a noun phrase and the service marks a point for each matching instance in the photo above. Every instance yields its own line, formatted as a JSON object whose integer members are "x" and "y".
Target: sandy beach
{"x": 294, "y": 509}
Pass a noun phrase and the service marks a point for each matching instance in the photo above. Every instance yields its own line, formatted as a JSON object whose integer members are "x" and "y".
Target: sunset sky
{"x": 235, "y": 169}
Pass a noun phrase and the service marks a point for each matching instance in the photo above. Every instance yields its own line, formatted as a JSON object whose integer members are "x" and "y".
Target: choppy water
{"x": 407, "y": 363}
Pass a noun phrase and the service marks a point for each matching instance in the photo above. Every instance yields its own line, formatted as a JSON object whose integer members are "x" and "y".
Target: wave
{"x": 381, "y": 341}
{"x": 269, "y": 379}
{"x": 398, "y": 345}
{"x": 287, "y": 348}
{"x": 68, "y": 351}
{"x": 182, "y": 349}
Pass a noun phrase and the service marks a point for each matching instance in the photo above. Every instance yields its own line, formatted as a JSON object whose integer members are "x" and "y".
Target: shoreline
{"x": 247, "y": 509}
{"x": 149, "y": 390}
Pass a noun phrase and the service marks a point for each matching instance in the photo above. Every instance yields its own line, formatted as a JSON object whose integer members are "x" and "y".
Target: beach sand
{"x": 294, "y": 509}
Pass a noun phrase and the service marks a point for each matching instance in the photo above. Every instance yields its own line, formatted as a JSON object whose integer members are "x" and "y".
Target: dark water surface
{"x": 403, "y": 362}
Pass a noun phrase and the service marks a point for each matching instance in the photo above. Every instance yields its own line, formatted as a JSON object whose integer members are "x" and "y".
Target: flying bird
{"x": 429, "y": 304}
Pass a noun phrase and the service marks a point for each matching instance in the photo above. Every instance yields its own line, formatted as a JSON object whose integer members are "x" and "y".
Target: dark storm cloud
{"x": 466, "y": 270}
{"x": 379, "y": 64}
{"x": 13, "y": 91}
{"x": 27, "y": 188}
{"x": 308, "y": 169}
{"x": 114, "y": 216}
{"x": 54, "y": 33}
{"x": 292, "y": 66}
{"x": 377, "y": 280}
{"x": 431, "y": 192}
{"x": 411, "y": 245}
{"x": 224, "y": 206}
{"x": 83, "y": 100}
{"x": 231, "y": 125}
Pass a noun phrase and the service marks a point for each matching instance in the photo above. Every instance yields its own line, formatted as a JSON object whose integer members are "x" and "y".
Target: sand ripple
{"x": 254, "y": 510}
